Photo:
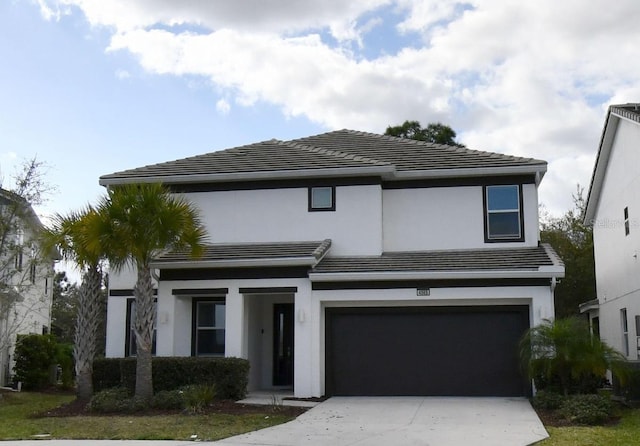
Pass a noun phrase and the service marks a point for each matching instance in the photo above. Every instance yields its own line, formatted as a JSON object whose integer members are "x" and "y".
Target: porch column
{"x": 234, "y": 325}
{"x": 304, "y": 352}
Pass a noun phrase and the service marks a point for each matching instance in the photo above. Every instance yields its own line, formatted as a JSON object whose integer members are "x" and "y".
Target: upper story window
{"x": 503, "y": 213}
{"x": 322, "y": 198}
{"x": 626, "y": 221}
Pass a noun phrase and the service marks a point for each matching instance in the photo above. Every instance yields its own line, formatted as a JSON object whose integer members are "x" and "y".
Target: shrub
{"x": 116, "y": 399}
{"x": 168, "y": 400}
{"x": 547, "y": 400}
{"x": 64, "y": 358}
{"x": 35, "y": 355}
{"x": 587, "y": 409}
{"x": 198, "y": 396}
{"x": 230, "y": 375}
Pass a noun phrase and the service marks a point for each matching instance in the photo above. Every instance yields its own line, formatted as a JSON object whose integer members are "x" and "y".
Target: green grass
{"x": 627, "y": 432}
{"x": 16, "y": 412}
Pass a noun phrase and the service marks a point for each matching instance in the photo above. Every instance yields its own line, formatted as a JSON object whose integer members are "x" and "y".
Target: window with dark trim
{"x": 322, "y": 198}
{"x": 626, "y": 221}
{"x": 503, "y": 213}
{"x": 208, "y": 338}
{"x": 624, "y": 327}
{"x": 130, "y": 347}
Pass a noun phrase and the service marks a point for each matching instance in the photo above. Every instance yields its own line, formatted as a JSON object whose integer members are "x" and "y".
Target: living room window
{"x": 503, "y": 213}
{"x": 322, "y": 198}
{"x": 131, "y": 347}
{"x": 208, "y": 327}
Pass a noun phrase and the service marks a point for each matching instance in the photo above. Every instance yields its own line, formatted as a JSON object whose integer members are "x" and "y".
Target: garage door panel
{"x": 425, "y": 351}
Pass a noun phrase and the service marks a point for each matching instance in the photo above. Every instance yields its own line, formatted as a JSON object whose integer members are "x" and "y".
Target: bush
{"x": 168, "y": 400}
{"x": 35, "y": 355}
{"x": 114, "y": 400}
{"x": 64, "y": 358}
{"x": 230, "y": 375}
{"x": 587, "y": 409}
{"x": 547, "y": 400}
{"x": 198, "y": 396}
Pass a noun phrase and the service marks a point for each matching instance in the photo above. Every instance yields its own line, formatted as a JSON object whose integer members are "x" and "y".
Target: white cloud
{"x": 122, "y": 74}
{"x": 530, "y": 79}
{"x": 223, "y": 106}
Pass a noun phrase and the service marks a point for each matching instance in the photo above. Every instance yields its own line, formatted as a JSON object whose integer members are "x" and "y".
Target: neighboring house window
{"x": 32, "y": 272}
{"x": 208, "y": 327}
{"x": 638, "y": 333}
{"x": 46, "y": 286}
{"x": 19, "y": 259}
{"x": 131, "y": 347}
{"x": 625, "y": 331}
{"x": 503, "y": 213}
{"x": 626, "y": 221}
{"x": 322, "y": 198}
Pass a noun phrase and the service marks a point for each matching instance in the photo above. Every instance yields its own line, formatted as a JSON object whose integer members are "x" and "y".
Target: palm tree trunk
{"x": 86, "y": 333}
{"x": 143, "y": 327}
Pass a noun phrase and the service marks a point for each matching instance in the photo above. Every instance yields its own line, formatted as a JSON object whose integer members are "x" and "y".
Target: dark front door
{"x": 283, "y": 344}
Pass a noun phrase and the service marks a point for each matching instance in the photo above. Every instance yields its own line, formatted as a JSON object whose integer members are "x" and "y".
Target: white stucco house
{"x": 26, "y": 275}
{"x": 613, "y": 210}
{"x": 350, "y": 263}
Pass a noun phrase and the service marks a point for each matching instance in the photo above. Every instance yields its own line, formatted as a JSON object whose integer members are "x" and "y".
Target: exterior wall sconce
{"x": 301, "y": 316}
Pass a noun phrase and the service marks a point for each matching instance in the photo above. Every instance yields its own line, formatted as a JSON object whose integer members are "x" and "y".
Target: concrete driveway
{"x": 400, "y": 421}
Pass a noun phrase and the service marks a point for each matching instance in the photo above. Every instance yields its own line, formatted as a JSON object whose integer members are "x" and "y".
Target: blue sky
{"x": 92, "y": 87}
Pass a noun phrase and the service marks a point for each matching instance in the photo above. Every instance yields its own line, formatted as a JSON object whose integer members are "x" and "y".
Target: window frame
{"x": 195, "y": 329}
{"x": 312, "y": 208}
{"x": 520, "y": 212}
{"x": 130, "y": 338}
{"x": 624, "y": 327}
{"x": 626, "y": 221}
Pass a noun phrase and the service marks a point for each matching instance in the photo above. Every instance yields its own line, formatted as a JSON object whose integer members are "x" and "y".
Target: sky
{"x": 91, "y": 87}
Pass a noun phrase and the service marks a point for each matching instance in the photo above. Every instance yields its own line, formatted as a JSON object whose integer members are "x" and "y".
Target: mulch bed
{"x": 79, "y": 408}
{"x": 554, "y": 419}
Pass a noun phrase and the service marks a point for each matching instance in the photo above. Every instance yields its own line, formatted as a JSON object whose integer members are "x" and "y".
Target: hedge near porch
{"x": 230, "y": 375}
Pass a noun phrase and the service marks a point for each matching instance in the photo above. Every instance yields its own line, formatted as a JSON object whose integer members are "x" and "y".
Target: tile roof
{"x": 342, "y": 149}
{"x": 256, "y": 253}
{"x": 629, "y": 111}
{"x": 509, "y": 259}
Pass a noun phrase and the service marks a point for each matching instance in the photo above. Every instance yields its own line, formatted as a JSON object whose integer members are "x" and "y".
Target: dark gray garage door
{"x": 439, "y": 351}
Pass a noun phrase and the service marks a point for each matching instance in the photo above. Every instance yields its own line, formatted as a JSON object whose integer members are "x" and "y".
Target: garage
{"x": 434, "y": 351}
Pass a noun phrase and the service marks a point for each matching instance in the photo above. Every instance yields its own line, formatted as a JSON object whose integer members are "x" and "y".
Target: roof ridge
{"x": 446, "y": 147}
{"x": 337, "y": 153}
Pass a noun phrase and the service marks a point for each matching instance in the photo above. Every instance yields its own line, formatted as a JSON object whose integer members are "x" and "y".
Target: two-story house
{"x": 350, "y": 263}
{"x": 613, "y": 210}
{"x": 26, "y": 275}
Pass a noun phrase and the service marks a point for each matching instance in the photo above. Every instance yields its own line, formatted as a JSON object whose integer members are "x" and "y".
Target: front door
{"x": 283, "y": 344}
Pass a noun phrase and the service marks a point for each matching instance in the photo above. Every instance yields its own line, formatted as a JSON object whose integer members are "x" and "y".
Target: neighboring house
{"x": 613, "y": 210}
{"x": 25, "y": 279}
{"x": 351, "y": 263}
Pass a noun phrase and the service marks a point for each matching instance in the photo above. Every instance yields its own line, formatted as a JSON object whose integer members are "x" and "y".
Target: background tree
{"x": 138, "y": 222}
{"x": 23, "y": 264}
{"x": 435, "y": 132}
{"x": 73, "y": 236}
{"x": 63, "y": 308}
{"x": 573, "y": 242}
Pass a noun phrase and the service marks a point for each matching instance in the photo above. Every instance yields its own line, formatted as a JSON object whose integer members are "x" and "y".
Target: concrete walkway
{"x": 382, "y": 421}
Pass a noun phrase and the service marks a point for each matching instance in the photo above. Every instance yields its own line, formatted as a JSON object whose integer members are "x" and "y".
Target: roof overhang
{"x": 542, "y": 272}
{"x": 383, "y": 171}
{"x": 537, "y": 170}
{"x": 589, "y": 306}
{"x": 309, "y": 261}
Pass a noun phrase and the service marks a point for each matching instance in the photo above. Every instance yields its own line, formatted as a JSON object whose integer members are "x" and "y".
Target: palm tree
{"x": 71, "y": 234}
{"x": 565, "y": 349}
{"x": 138, "y": 222}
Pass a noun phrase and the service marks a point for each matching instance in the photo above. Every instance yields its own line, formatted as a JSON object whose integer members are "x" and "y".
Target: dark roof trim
{"x": 199, "y": 291}
{"x": 269, "y": 290}
{"x": 126, "y": 292}
{"x": 273, "y": 184}
{"x": 234, "y": 273}
{"x": 403, "y": 284}
{"x": 462, "y": 181}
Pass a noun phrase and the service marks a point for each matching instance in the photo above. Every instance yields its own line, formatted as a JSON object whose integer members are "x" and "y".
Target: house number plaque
{"x": 423, "y": 291}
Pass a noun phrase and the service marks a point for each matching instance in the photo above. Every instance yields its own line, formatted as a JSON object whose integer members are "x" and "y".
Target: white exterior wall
{"x": 281, "y": 215}
{"x": 447, "y": 218}
{"x": 616, "y": 255}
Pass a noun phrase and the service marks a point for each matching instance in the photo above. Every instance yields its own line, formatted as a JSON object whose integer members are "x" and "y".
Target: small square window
{"x": 503, "y": 217}
{"x": 322, "y": 198}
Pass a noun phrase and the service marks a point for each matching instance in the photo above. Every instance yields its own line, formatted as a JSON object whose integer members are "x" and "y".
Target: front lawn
{"x": 19, "y": 421}
{"x": 626, "y": 432}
